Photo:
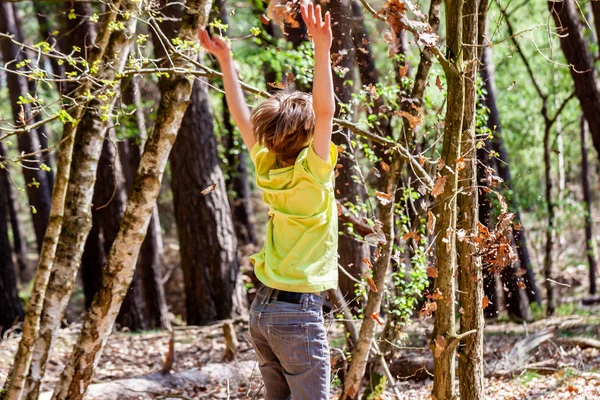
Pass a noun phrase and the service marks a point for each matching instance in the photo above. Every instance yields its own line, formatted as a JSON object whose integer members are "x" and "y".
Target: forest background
{"x": 469, "y": 134}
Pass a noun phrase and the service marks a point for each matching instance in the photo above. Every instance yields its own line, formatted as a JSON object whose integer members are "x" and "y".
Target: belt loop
{"x": 267, "y": 298}
{"x": 305, "y": 299}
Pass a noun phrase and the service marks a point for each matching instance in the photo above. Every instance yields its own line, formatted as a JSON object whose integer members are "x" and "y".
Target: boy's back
{"x": 300, "y": 250}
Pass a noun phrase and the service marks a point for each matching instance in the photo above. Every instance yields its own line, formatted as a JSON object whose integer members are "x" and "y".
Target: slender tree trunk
{"x": 149, "y": 260}
{"x": 120, "y": 265}
{"x": 13, "y": 213}
{"x": 503, "y": 169}
{"x": 12, "y": 311}
{"x": 470, "y": 274}
{"x": 356, "y": 371}
{"x": 77, "y": 220}
{"x": 590, "y": 245}
{"x": 596, "y": 12}
{"x": 46, "y": 27}
{"x": 445, "y": 339}
{"x": 92, "y": 261}
{"x": 585, "y": 76}
{"x": 351, "y": 252}
{"x": 16, "y": 381}
{"x": 39, "y": 193}
{"x": 109, "y": 205}
{"x": 549, "y": 245}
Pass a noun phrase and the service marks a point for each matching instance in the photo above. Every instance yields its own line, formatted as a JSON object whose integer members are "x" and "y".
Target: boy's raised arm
{"x": 323, "y": 98}
{"x": 233, "y": 91}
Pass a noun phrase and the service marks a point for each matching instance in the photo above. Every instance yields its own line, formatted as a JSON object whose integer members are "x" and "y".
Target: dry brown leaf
{"x": 368, "y": 263}
{"x": 377, "y": 318}
{"x": 460, "y": 163}
{"x": 278, "y": 85}
{"x": 439, "y": 186}
{"x": 371, "y": 282}
{"x": 363, "y": 50}
{"x": 521, "y": 285}
{"x": 413, "y": 120}
{"x": 373, "y": 91}
{"x": 404, "y": 69}
{"x": 485, "y": 302}
{"x": 384, "y": 167}
{"x": 383, "y": 198}
{"x": 339, "y": 208}
{"x": 428, "y": 308}
{"x": 340, "y": 149}
{"x": 430, "y": 222}
{"x": 438, "y": 82}
{"x": 209, "y": 189}
{"x": 411, "y": 235}
{"x": 432, "y": 272}
{"x": 421, "y": 160}
{"x": 264, "y": 19}
{"x": 440, "y": 345}
{"x": 435, "y": 295}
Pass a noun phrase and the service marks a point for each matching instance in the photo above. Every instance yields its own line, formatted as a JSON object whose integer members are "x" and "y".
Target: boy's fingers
{"x": 327, "y": 23}
{"x": 311, "y": 14}
{"x": 318, "y": 16}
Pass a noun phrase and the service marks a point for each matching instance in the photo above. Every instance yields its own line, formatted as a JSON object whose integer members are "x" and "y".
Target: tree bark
{"x": 351, "y": 252}
{"x": 120, "y": 265}
{"x": 470, "y": 274}
{"x": 77, "y": 220}
{"x": 16, "y": 381}
{"x": 596, "y": 12}
{"x": 445, "y": 339}
{"x": 12, "y": 311}
{"x": 590, "y": 245}
{"x": 549, "y": 244}
{"x": 39, "y": 194}
{"x": 585, "y": 75}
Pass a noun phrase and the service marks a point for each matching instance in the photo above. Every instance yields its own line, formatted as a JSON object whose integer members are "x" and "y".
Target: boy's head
{"x": 285, "y": 123}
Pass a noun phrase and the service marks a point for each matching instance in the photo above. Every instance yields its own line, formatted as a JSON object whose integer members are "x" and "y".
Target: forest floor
{"x": 541, "y": 360}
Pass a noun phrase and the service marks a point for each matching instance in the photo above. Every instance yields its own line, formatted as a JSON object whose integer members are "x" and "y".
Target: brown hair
{"x": 284, "y": 123}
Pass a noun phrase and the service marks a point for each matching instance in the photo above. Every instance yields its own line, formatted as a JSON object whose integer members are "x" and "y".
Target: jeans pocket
{"x": 291, "y": 345}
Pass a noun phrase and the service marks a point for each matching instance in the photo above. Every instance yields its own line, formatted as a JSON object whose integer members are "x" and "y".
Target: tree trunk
{"x": 549, "y": 245}
{"x": 120, "y": 265}
{"x": 596, "y": 12}
{"x": 46, "y": 27}
{"x": 109, "y": 205}
{"x": 12, "y": 311}
{"x": 445, "y": 339}
{"x": 585, "y": 76}
{"x": 590, "y": 245}
{"x": 356, "y": 371}
{"x": 92, "y": 260}
{"x": 77, "y": 220}
{"x": 149, "y": 260}
{"x": 39, "y": 194}
{"x": 351, "y": 252}
{"x": 13, "y": 213}
{"x": 20, "y": 369}
{"x": 207, "y": 240}
{"x": 470, "y": 274}
{"x": 503, "y": 169}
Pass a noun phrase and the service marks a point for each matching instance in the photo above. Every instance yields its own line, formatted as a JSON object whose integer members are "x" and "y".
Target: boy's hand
{"x": 215, "y": 45}
{"x": 318, "y": 28}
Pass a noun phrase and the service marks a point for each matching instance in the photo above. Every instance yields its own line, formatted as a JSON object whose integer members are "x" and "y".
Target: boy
{"x": 289, "y": 137}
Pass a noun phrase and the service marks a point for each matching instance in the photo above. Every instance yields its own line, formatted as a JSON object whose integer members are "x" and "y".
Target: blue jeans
{"x": 290, "y": 342}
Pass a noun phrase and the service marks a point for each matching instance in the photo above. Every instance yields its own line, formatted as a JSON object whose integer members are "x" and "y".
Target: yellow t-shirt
{"x": 300, "y": 251}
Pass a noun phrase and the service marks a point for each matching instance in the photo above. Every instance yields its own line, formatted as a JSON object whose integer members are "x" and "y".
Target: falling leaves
{"x": 384, "y": 198}
{"x": 411, "y": 235}
{"x": 460, "y": 163}
{"x": 368, "y": 263}
{"x": 209, "y": 189}
{"x": 432, "y": 272}
{"x": 284, "y": 12}
{"x": 371, "y": 283}
{"x": 438, "y": 186}
{"x": 430, "y": 222}
{"x": 440, "y": 345}
{"x": 264, "y": 19}
{"x": 403, "y": 70}
{"x": 21, "y": 116}
{"x": 428, "y": 308}
{"x": 384, "y": 167}
{"x": 377, "y": 318}
{"x": 485, "y": 302}
{"x": 438, "y": 83}
{"x": 511, "y": 86}
{"x": 378, "y": 236}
